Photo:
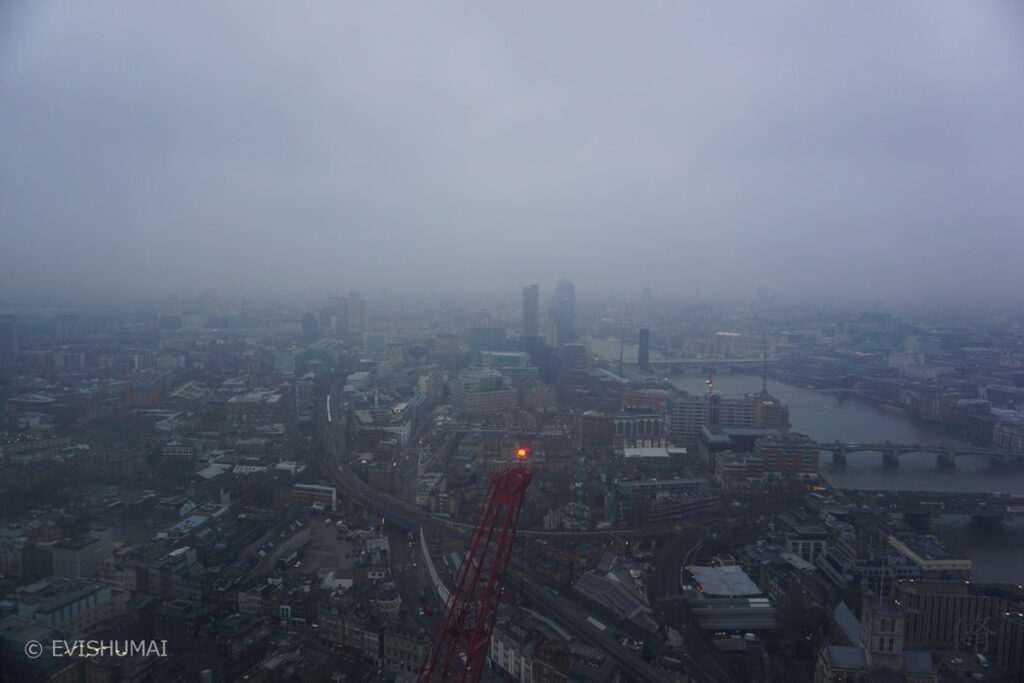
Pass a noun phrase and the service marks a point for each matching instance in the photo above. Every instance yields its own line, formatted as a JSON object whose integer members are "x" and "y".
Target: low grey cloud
{"x": 841, "y": 150}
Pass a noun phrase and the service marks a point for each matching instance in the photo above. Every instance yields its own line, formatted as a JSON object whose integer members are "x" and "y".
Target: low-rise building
{"x": 404, "y": 648}
{"x": 316, "y": 496}
{"x": 75, "y": 605}
{"x": 934, "y": 560}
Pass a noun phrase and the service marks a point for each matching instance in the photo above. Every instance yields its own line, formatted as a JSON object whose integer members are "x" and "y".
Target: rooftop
{"x": 851, "y": 658}
{"x": 729, "y": 581}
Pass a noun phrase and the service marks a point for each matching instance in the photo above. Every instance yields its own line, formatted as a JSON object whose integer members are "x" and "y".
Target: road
{"x": 410, "y": 579}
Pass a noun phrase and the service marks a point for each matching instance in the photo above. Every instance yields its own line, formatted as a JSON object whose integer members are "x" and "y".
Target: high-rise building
{"x": 531, "y": 342}
{"x": 356, "y": 314}
{"x": 488, "y": 337}
{"x": 9, "y": 351}
{"x": 531, "y": 308}
{"x": 563, "y": 312}
{"x": 347, "y": 315}
{"x": 310, "y": 327}
{"x": 572, "y": 365}
{"x": 644, "y": 352}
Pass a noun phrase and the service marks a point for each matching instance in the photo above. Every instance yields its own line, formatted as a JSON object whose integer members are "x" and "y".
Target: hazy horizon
{"x": 849, "y": 153}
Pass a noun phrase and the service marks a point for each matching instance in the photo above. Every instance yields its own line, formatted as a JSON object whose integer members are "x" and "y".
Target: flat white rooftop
{"x": 732, "y": 580}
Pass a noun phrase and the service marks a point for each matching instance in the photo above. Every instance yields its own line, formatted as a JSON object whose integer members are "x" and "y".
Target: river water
{"x": 996, "y": 556}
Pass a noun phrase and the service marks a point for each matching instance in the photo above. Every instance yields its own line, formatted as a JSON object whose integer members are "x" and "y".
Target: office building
{"x": 315, "y": 496}
{"x": 787, "y": 455}
{"x": 72, "y": 604}
{"x": 487, "y": 337}
{"x": 652, "y": 500}
{"x": 954, "y": 615}
{"x": 531, "y": 309}
{"x": 356, "y": 314}
{"x": 563, "y": 313}
{"x": 346, "y": 315}
{"x": 935, "y": 561}
{"x": 482, "y": 390}
{"x": 9, "y": 350}
{"x": 688, "y": 413}
{"x": 68, "y": 323}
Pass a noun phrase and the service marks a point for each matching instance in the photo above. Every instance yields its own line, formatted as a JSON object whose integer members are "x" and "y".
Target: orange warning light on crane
{"x": 522, "y": 453}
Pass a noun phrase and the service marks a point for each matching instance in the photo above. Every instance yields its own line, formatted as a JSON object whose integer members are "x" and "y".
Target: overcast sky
{"x": 858, "y": 149}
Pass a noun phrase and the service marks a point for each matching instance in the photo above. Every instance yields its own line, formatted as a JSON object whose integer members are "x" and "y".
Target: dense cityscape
{"x": 514, "y": 342}
{"x": 280, "y": 493}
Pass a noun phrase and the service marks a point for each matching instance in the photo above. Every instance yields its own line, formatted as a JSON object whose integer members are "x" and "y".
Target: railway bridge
{"x": 985, "y": 509}
{"x": 945, "y": 455}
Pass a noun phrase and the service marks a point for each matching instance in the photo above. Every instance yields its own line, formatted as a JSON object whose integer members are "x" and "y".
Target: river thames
{"x": 997, "y": 556}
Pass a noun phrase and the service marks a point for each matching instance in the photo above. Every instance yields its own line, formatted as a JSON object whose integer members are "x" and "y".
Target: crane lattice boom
{"x": 461, "y": 642}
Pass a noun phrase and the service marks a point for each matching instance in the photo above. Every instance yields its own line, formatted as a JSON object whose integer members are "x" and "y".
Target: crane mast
{"x": 460, "y": 646}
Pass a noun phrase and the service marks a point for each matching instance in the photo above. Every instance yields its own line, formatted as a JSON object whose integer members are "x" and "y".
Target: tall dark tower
{"x": 9, "y": 350}
{"x": 531, "y": 308}
{"x": 310, "y": 327}
{"x": 644, "y": 352}
{"x": 563, "y": 312}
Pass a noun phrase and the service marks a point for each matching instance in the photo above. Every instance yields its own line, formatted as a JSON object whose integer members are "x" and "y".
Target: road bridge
{"x": 398, "y": 520}
{"x": 945, "y": 455}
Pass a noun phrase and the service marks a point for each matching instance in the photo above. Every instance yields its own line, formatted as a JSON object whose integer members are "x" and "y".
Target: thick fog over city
{"x": 824, "y": 150}
{"x": 511, "y": 342}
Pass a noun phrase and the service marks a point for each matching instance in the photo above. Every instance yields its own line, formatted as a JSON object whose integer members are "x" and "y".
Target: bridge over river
{"x": 710, "y": 362}
{"x": 945, "y": 455}
{"x": 990, "y": 509}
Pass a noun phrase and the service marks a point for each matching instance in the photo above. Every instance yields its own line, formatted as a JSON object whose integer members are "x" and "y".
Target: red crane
{"x": 463, "y": 637}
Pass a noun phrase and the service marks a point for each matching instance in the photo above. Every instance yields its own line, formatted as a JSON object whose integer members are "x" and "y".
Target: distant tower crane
{"x": 462, "y": 641}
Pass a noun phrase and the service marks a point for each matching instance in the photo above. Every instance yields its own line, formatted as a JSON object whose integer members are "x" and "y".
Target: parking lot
{"x": 325, "y": 552}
